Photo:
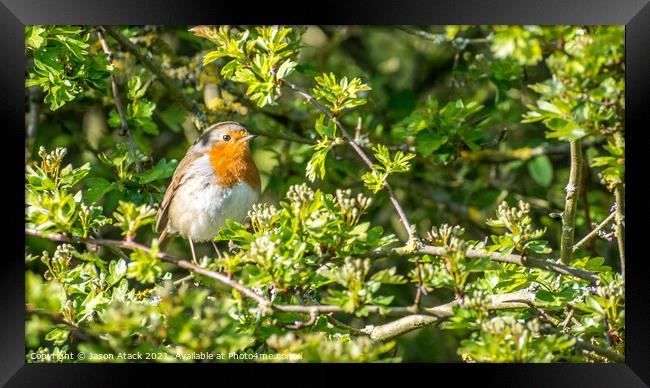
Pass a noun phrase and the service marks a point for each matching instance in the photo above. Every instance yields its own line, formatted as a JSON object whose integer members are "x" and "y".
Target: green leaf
{"x": 97, "y": 188}
{"x": 428, "y": 142}
{"x": 173, "y": 117}
{"x": 316, "y": 165}
{"x": 58, "y": 336}
{"x": 162, "y": 170}
{"x": 35, "y": 36}
{"x": 541, "y": 170}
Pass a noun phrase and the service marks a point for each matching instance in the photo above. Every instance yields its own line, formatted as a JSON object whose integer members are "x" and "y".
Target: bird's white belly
{"x": 200, "y": 207}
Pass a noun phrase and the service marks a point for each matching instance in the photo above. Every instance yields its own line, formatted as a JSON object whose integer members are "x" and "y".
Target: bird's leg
{"x": 192, "y": 248}
{"x": 216, "y": 248}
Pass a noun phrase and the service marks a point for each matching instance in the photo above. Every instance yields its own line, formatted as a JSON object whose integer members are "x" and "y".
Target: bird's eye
{"x": 226, "y": 137}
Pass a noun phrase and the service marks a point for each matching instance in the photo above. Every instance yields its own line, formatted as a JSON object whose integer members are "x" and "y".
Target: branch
{"x": 524, "y": 153}
{"x": 282, "y": 120}
{"x": 413, "y": 240}
{"x": 498, "y": 257}
{"x": 146, "y": 58}
{"x": 364, "y": 157}
{"x": 124, "y": 126}
{"x": 620, "y": 236}
{"x": 221, "y": 278}
{"x": 416, "y": 318}
{"x": 594, "y": 232}
{"x": 132, "y": 245}
{"x": 411, "y": 322}
{"x": 518, "y": 299}
{"x": 571, "y": 204}
{"x": 609, "y": 354}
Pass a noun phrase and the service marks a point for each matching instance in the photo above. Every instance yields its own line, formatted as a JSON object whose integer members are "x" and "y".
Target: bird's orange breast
{"x": 232, "y": 163}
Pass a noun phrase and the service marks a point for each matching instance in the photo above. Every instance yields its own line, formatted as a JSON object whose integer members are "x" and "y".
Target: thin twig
{"x": 124, "y": 126}
{"x": 146, "y": 58}
{"x": 495, "y": 256}
{"x": 565, "y": 323}
{"x": 488, "y": 155}
{"x": 594, "y": 232}
{"x": 364, "y": 157}
{"x": 437, "y": 38}
{"x": 132, "y": 245}
{"x": 571, "y": 203}
{"x": 413, "y": 240}
{"x": 221, "y": 278}
{"x": 609, "y": 354}
{"x": 183, "y": 279}
{"x": 344, "y": 326}
{"x": 57, "y": 318}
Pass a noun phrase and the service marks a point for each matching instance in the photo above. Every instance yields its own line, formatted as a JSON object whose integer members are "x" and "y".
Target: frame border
{"x": 634, "y": 14}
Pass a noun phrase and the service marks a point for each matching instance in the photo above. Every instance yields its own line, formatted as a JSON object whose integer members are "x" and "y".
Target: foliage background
{"x": 470, "y": 117}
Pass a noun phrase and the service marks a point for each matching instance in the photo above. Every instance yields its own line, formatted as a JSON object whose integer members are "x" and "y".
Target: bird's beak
{"x": 248, "y": 137}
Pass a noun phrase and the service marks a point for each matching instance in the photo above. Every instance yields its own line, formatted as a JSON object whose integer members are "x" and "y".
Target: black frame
{"x": 634, "y": 14}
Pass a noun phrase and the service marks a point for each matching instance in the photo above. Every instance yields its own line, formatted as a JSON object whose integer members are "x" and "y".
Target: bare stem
{"x": 436, "y": 38}
{"x": 362, "y": 154}
{"x": 124, "y": 126}
{"x": 571, "y": 202}
{"x": 413, "y": 240}
{"x": 513, "y": 300}
{"x": 415, "y": 321}
{"x": 221, "y": 278}
{"x": 146, "y": 58}
{"x": 498, "y": 257}
{"x": 594, "y": 232}
{"x": 609, "y": 354}
{"x": 620, "y": 233}
{"x": 57, "y": 318}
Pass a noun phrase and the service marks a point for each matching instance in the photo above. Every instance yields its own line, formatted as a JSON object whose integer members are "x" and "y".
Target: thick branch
{"x": 518, "y": 299}
{"x": 172, "y": 86}
{"x": 124, "y": 126}
{"x": 411, "y": 322}
{"x": 571, "y": 204}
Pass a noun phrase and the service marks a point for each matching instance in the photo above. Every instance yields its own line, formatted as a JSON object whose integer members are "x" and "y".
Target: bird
{"x": 216, "y": 180}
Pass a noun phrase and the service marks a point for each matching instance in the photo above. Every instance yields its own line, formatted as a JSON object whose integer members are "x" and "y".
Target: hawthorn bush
{"x": 429, "y": 194}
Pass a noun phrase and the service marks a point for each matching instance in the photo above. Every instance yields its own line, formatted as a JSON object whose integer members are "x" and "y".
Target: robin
{"x": 216, "y": 180}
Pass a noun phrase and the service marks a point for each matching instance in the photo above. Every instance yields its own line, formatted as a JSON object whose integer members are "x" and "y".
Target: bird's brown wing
{"x": 163, "y": 212}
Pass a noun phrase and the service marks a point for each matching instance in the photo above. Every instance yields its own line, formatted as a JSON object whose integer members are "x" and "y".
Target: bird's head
{"x": 226, "y": 146}
{"x": 225, "y": 136}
